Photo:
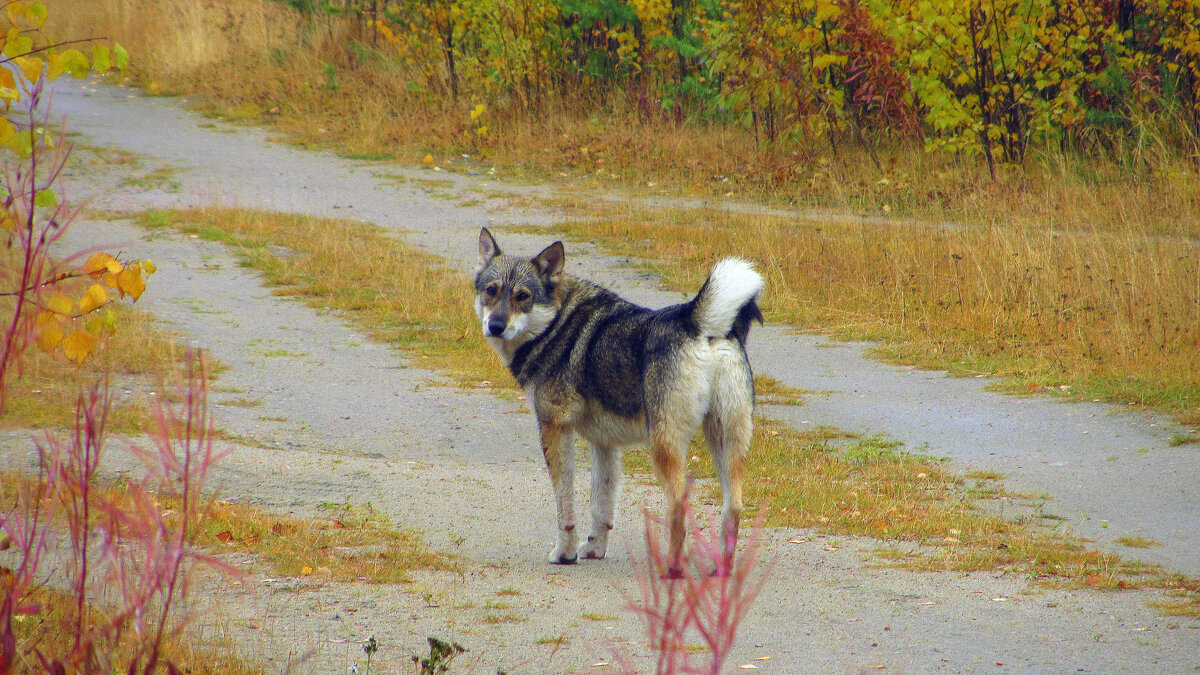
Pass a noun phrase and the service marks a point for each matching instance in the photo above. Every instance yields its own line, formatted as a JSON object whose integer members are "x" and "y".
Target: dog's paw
{"x": 562, "y": 556}
{"x": 593, "y": 549}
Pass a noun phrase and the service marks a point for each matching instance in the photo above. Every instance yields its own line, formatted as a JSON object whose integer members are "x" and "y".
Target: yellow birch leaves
{"x": 75, "y": 326}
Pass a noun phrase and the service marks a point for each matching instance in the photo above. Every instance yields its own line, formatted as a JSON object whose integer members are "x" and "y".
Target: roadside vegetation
{"x": 825, "y": 479}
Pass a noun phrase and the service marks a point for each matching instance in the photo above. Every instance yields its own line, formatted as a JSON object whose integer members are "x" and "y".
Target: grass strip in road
{"x": 392, "y": 292}
{"x": 1108, "y": 315}
{"x": 395, "y": 294}
{"x": 844, "y": 484}
{"x": 351, "y": 543}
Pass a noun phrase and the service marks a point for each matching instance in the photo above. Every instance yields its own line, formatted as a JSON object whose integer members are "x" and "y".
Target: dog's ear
{"x": 549, "y": 262}
{"x": 487, "y": 248}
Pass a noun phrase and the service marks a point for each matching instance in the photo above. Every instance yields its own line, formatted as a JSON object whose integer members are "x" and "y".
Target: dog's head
{"x": 514, "y": 297}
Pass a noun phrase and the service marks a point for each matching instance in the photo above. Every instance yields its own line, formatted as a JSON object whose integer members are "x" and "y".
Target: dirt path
{"x": 346, "y": 419}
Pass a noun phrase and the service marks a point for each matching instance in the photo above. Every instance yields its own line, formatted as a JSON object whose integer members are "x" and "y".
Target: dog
{"x": 619, "y": 374}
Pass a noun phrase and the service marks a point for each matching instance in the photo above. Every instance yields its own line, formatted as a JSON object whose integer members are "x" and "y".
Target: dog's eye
{"x": 492, "y": 290}
{"x": 521, "y": 296}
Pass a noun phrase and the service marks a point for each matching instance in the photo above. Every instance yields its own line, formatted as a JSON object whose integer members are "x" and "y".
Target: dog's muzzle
{"x": 496, "y": 326}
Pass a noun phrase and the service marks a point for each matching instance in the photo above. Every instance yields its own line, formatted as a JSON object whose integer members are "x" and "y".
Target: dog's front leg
{"x": 560, "y": 461}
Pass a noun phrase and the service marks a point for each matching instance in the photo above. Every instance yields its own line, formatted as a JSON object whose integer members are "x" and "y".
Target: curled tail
{"x": 727, "y": 302}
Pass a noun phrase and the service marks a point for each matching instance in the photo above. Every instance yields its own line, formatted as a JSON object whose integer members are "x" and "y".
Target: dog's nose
{"x": 496, "y": 326}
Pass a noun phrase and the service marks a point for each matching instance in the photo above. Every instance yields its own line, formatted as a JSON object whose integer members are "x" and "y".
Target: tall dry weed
{"x": 172, "y": 38}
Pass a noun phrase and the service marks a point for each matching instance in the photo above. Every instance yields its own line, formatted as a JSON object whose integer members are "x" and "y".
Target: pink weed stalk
{"x": 708, "y": 600}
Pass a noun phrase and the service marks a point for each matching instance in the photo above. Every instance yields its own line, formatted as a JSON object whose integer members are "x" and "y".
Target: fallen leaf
{"x": 225, "y": 537}
{"x": 305, "y": 571}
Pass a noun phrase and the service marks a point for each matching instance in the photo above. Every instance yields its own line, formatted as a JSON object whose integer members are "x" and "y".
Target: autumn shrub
{"x": 39, "y": 290}
{"x": 992, "y": 79}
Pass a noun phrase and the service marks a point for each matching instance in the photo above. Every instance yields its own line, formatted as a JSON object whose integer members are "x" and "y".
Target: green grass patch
{"x": 1136, "y": 542}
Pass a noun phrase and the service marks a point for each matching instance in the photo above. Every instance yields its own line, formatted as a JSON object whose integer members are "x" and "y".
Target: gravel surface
{"x": 347, "y": 419}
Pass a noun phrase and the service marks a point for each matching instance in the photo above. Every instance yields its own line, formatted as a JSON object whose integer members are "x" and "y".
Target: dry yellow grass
{"x": 1086, "y": 313}
{"x": 52, "y": 631}
{"x": 843, "y": 484}
{"x": 353, "y": 543}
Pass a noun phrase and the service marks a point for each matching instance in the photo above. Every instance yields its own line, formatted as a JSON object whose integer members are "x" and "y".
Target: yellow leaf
{"x": 95, "y": 297}
{"x": 305, "y": 571}
{"x": 49, "y": 335}
{"x": 99, "y": 263}
{"x": 44, "y": 317}
{"x": 428, "y": 160}
{"x": 32, "y": 67}
{"x": 16, "y": 44}
{"x": 825, "y": 60}
{"x": 15, "y": 10}
{"x": 477, "y": 111}
{"x": 99, "y": 325}
{"x": 149, "y": 267}
{"x": 130, "y": 282}
{"x": 36, "y": 12}
{"x": 77, "y": 346}
{"x": 6, "y": 79}
{"x": 69, "y": 60}
{"x": 60, "y": 304}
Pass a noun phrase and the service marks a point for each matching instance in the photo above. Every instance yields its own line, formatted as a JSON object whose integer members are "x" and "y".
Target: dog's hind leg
{"x": 666, "y": 454}
{"x": 727, "y": 428}
{"x": 560, "y": 461}
{"x": 606, "y": 476}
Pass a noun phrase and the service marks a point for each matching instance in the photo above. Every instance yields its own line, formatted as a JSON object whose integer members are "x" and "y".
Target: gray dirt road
{"x": 346, "y": 419}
